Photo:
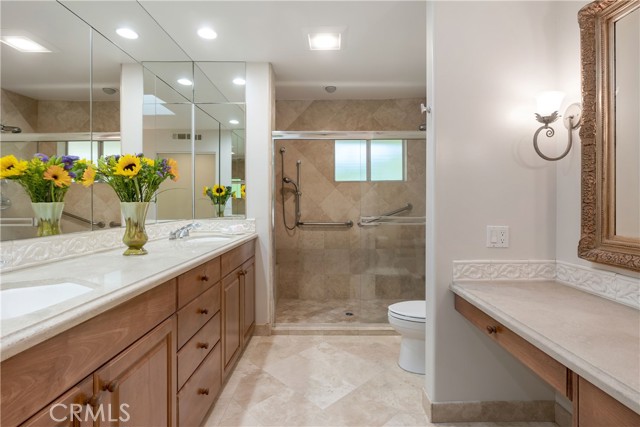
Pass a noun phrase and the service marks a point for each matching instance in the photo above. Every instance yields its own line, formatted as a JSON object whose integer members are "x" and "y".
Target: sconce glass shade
{"x": 548, "y": 102}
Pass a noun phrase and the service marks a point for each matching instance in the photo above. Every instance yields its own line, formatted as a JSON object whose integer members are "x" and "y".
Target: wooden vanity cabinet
{"x": 593, "y": 407}
{"x": 199, "y": 342}
{"x": 238, "y": 303}
{"x": 69, "y": 410}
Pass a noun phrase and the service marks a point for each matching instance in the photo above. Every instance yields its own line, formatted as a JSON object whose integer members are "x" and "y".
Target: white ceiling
{"x": 384, "y": 53}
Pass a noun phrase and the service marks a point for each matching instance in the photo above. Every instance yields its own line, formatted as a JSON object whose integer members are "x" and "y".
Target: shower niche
{"x": 349, "y": 225}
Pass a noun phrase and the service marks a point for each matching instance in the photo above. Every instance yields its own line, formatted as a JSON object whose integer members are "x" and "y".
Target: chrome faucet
{"x": 183, "y": 232}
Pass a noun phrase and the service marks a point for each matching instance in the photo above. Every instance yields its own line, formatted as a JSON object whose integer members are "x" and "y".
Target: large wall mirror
{"x": 610, "y": 133}
{"x": 68, "y": 101}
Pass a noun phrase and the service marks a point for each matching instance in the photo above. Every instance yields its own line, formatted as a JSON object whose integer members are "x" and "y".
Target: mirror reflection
{"x": 627, "y": 130}
{"x": 68, "y": 102}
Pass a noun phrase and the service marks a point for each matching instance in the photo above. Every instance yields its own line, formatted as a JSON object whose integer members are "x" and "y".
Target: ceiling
{"x": 383, "y": 55}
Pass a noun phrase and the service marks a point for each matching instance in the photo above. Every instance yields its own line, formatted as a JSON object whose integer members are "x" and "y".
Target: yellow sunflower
{"x": 128, "y": 165}
{"x": 10, "y": 166}
{"x": 219, "y": 190}
{"x": 58, "y": 175}
{"x": 88, "y": 177}
{"x": 243, "y": 191}
{"x": 204, "y": 190}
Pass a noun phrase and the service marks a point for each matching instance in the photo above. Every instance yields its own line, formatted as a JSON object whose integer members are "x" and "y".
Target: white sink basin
{"x": 194, "y": 238}
{"x": 17, "y": 302}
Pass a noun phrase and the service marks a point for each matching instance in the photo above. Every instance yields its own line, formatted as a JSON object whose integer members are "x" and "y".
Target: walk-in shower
{"x": 349, "y": 228}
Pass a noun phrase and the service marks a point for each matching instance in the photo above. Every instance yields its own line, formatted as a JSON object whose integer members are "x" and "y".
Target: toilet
{"x": 408, "y": 318}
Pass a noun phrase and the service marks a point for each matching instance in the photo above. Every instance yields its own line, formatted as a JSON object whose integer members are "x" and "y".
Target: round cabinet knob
{"x": 492, "y": 329}
{"x": 203, "y": 311}
{"x": 204, "y": 278}
{"x": 203, "y": 345}
{"x": 241, "y": 273}
{"x": 203, "y": 391}
{"x": 112, "y": 386}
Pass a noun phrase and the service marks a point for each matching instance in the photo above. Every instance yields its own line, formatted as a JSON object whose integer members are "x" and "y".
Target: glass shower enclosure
{"x": 349, "y": 225}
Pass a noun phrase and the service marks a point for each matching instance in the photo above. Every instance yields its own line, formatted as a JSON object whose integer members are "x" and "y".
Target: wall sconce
{"x": 548, "y": 105}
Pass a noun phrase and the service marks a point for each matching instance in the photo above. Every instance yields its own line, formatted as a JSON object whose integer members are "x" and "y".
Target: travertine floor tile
{"x": 302, "y": 380}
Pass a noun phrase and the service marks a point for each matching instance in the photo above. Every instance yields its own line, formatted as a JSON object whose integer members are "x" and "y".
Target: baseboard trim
{"x": 262, "y": 330}
{"x": 488, "y": 411}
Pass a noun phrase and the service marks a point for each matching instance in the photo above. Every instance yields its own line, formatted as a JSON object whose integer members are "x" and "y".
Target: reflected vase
{"x": 48, "y": 216}
{"x": 219, "y": 209}
{"x": 135, "y": 235}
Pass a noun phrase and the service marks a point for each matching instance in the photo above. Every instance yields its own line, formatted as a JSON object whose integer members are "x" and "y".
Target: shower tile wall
{"x": 373, "y": 266}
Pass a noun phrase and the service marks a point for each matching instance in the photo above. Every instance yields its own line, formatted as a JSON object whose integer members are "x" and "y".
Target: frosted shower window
{"x": 387, "y": 160}
{"x": 351, "y": 160}
{"x": 377, "y": 160}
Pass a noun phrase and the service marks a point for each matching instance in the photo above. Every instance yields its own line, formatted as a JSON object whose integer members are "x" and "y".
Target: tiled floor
{"x": 332, "y": 311}
{"x": 293, "y": 380}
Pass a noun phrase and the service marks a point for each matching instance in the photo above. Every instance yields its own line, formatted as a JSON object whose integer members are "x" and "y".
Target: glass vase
{"x": 135, "y": 235}
{"x": 48, "y": 216}
{"x": 219, "y": 209}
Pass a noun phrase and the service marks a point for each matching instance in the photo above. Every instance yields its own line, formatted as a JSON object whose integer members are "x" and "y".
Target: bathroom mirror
{"x": 610, "y": 50}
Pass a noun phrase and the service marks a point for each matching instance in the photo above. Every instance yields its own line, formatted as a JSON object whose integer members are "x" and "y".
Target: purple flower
{"x": 42, "y": 157}
{"x": 69, "y": 161}
{"x": 72, "y": 174}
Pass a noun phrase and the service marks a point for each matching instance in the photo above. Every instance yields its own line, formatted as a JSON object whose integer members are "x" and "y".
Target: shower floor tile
{"x": 298, "y": 311}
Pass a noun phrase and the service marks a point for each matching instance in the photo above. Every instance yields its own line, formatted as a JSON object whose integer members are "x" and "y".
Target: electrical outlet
{"x": 497, "y": 236}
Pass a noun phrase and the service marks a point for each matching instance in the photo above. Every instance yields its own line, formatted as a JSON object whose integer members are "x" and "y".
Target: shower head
{"x": 12, "y": 129}
{"x": 288, "y": 180}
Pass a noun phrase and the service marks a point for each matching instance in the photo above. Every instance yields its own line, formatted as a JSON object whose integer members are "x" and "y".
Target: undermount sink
{"x": 16, "y": 302}
{"x": 207, "y": 238}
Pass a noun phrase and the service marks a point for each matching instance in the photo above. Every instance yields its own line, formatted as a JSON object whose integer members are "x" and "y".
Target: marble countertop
{"x": 107, "y": 279}
{"x": 594, "y": 337}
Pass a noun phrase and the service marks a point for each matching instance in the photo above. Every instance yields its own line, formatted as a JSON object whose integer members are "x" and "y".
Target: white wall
{"x": 259, "y": 176}
{"x": 489, "y": 61}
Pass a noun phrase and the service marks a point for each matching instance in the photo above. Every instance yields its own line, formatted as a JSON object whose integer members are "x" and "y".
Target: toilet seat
{"x": 410, "y": 311}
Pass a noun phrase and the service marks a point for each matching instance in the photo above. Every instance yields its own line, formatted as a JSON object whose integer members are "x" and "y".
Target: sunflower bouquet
{"x": 218, "y": 195}
{"x": 47, "y": 179}
{"x": 136, "y": 178}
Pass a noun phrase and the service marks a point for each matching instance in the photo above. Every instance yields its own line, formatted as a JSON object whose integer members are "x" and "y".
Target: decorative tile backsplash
{"x": 613, "y": 286}
{"x": 28, "y": 252}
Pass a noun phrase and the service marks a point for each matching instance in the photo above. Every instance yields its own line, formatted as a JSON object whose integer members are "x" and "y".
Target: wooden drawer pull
{"x": 202, "y": 345}
{"x": 203, "y": 391}
{"x": 492, "y": 329}
{"x": 203, "y": 311}
{"x": 112, "y": 386}
{"x": 204, "y": 278}
{"x": 241, "y": 273}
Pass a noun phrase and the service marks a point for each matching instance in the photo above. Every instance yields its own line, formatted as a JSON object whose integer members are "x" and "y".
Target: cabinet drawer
{"x": 57, "y": 414}
{"x": 235, "y": 257}
{"x": 198, "y": 312}
{"x": 200, "y": 391}
{"x": 549, "y": 369}
{"x": 197, "y": 348}
{"x": 195, "y": 281}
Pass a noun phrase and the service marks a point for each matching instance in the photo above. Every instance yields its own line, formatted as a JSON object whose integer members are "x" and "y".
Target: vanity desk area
{"x": 146, "y": 340}
{"x": 586, "y": 347}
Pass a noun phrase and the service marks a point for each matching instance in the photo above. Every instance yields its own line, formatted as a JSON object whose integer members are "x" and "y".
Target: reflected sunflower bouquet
{"x": 47, "y": 179}
{"x": 136, "y": 178}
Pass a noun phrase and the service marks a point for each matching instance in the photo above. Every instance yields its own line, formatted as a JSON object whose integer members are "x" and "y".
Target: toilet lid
{"x": 414, "y": 311}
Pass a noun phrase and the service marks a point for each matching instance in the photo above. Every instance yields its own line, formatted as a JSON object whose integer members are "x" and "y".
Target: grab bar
{"x": 374, "y": 219}
{"x": 17, "y": 222}
{"x": 100, "y": 224}
{"x": 347, "y": 224}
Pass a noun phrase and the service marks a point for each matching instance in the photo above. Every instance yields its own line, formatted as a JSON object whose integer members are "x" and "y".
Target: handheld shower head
{"x": 288, "y": 180}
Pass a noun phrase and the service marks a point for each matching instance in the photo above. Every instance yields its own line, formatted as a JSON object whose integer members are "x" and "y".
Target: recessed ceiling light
{"x": 207, "y": 33}
{"x": 185, "y": 82}
{"x": 127, "y": 33}
{"x": 324, "y": 41}
{"x": 234, "y": 122}
{"x": 23, "y": 44}
{"x": 239, "y": 81}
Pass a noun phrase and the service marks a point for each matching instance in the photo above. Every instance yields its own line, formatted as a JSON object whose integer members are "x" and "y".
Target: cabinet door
{"x": 595, "y": 408}
{"x": 231, "y": 318}
{"x": 138, "y": 387}
{"x": 75, "y": 408}
{"x": 249, "y": 298}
